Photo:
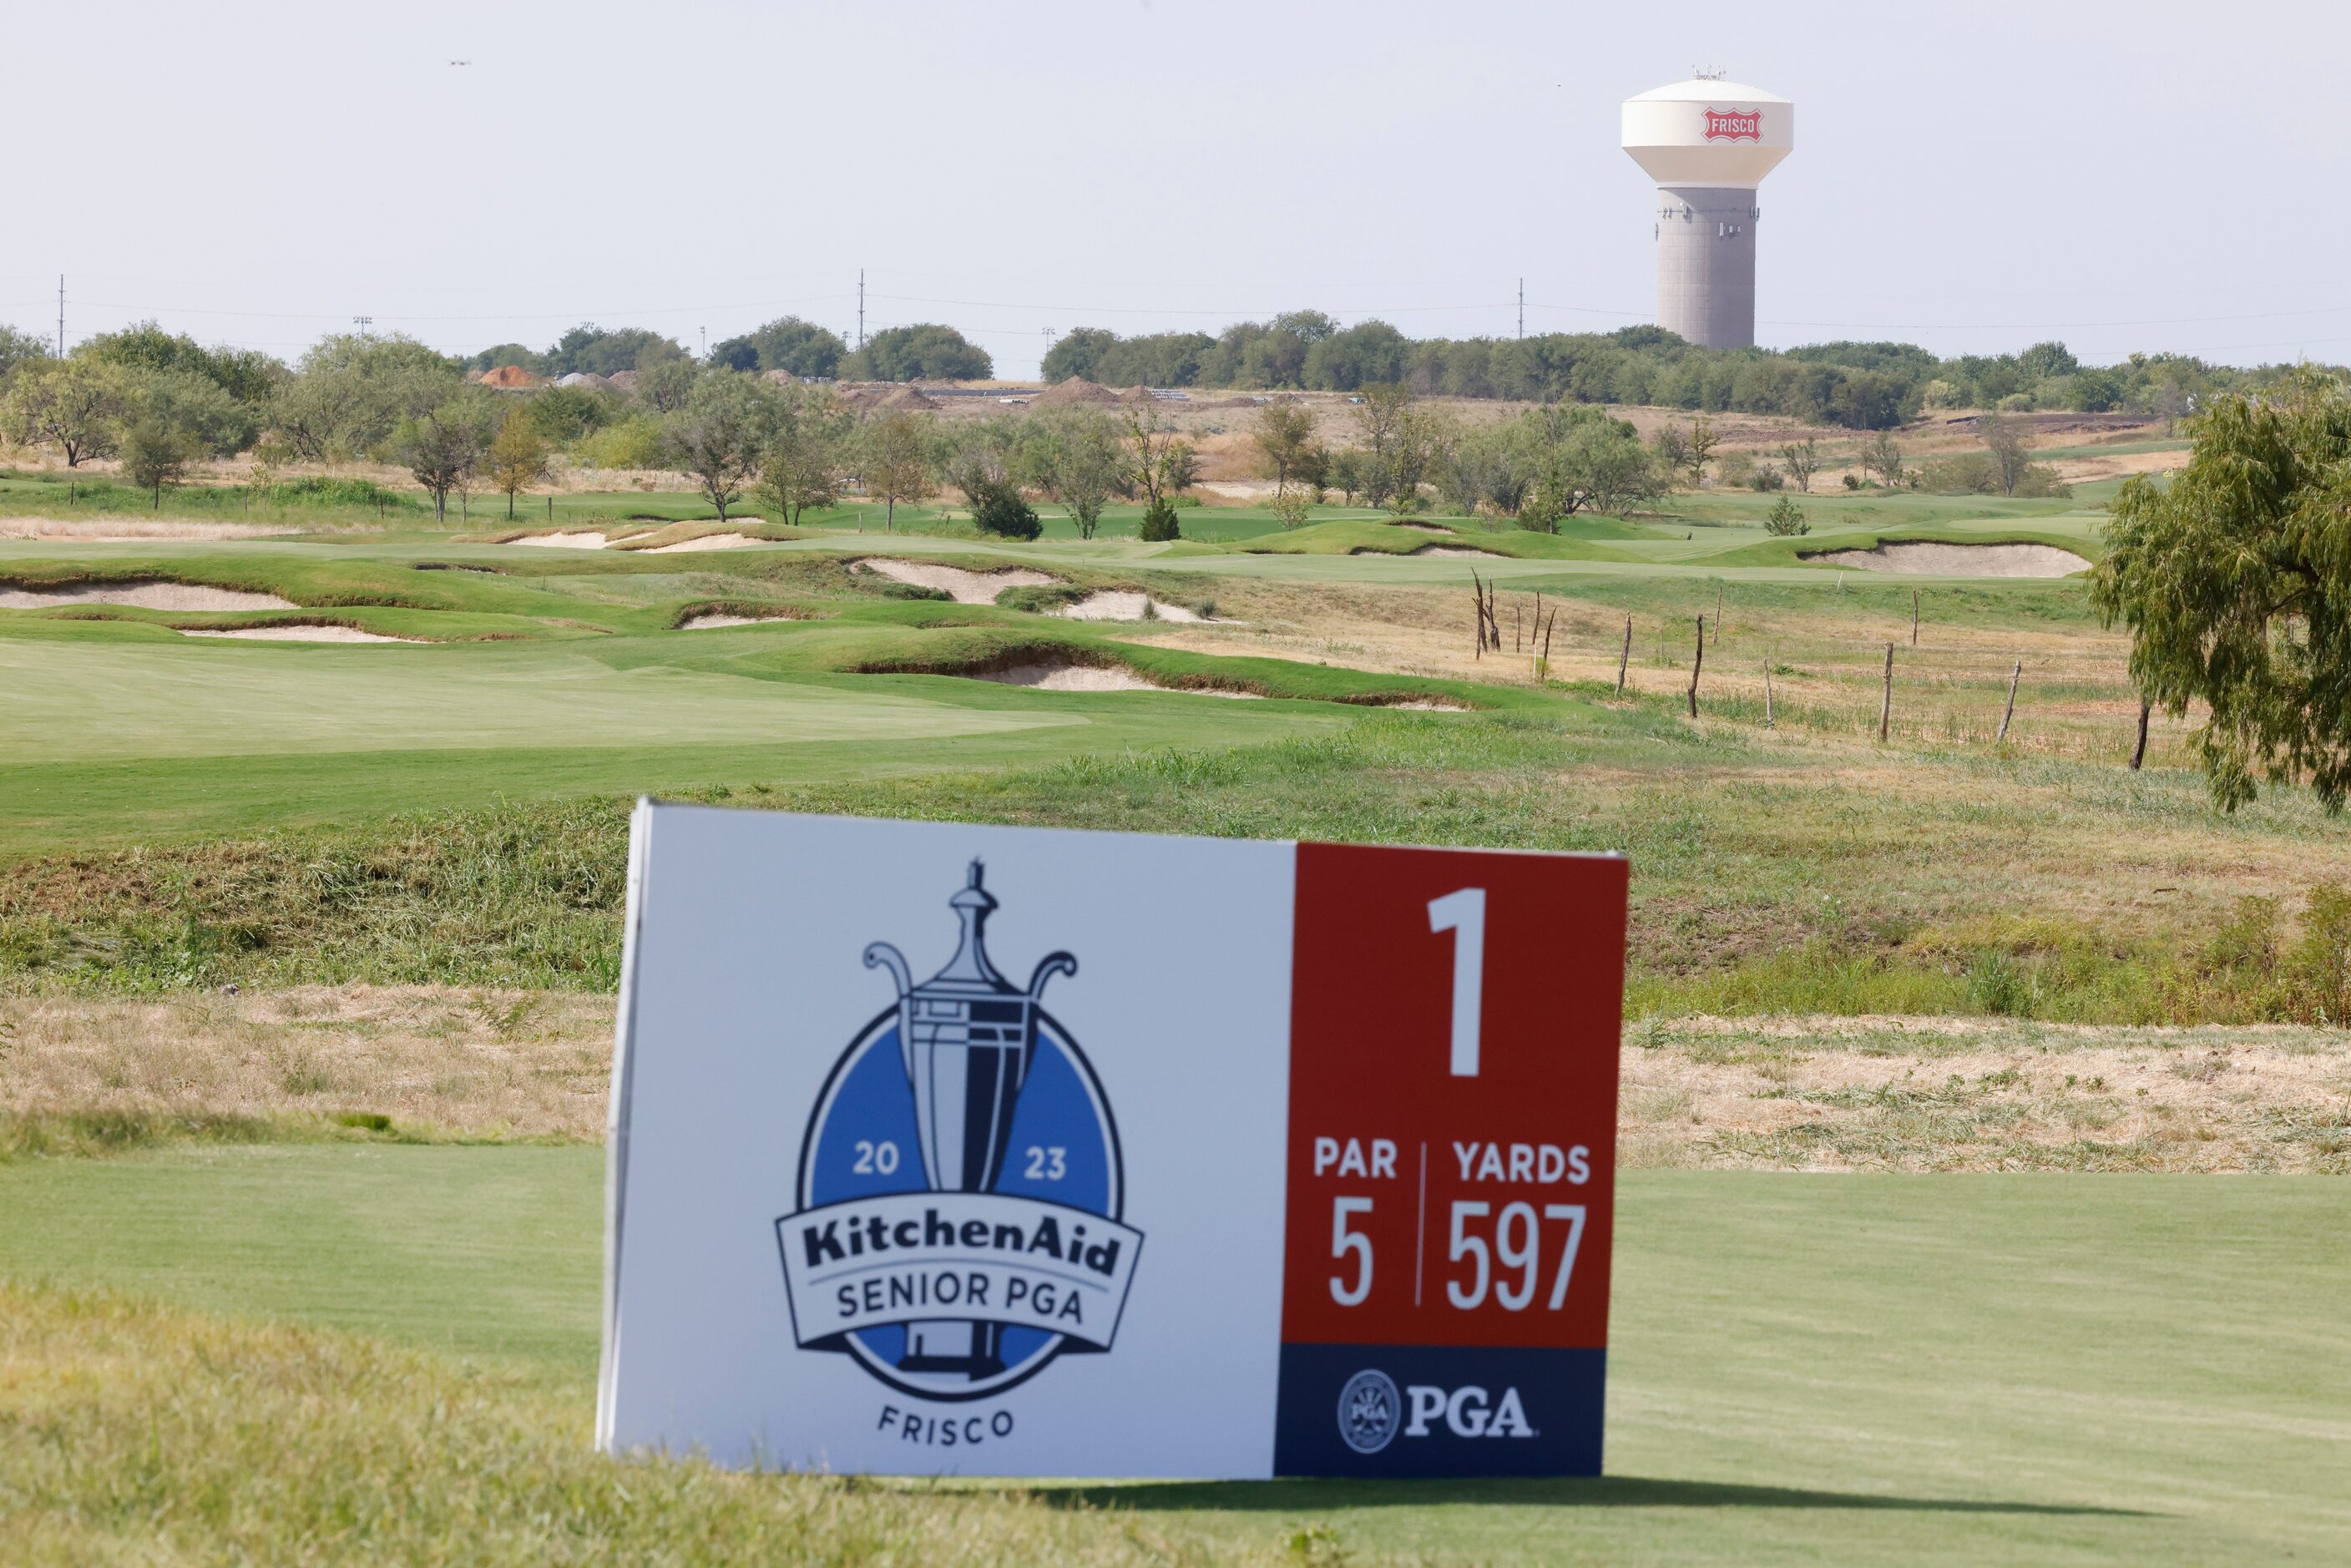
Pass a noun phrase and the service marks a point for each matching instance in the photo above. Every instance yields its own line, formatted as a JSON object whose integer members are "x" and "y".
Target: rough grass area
{"x": 363, "y": 1064}
{"x": 1769, "y": 876}
{"x": 134, "y": 1432}
{"x": 1882, "y": 1369}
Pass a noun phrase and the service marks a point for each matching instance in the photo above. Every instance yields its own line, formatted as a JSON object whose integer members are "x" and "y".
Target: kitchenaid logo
{"x": 1734, "y": 125}
{"x": 960, "y": 1188}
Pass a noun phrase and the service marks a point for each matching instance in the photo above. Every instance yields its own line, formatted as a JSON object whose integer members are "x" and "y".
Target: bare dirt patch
{"x": 962, "y": 586}
{"x": 1956, "y": 561}
{"x": 301, "y": 634}
{"x": 147, "y": 593}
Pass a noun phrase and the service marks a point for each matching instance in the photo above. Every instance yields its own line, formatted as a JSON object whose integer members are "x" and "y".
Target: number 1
{"x": 1464, "y": 914}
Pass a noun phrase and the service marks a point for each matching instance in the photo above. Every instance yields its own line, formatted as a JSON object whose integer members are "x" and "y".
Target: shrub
{"x": 1160, "y": 523}
{"x": 631, "y": 443}
{"x": 1786, "y": 518}
{"x": 1767, "y": 479}
{"x": 998, "y": 509}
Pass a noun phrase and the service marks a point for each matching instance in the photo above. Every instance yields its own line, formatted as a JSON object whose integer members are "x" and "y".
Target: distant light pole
{"x": 363, "y": 322}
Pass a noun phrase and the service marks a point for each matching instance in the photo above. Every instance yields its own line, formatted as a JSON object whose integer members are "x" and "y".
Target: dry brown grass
{"x": 1857, "y": 1093}
{"x": 490, "y": 1063}
{"x": 1943, "y": 1095}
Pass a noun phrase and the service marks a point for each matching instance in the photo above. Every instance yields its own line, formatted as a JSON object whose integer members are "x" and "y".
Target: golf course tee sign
{"x": 947, "y": 1149}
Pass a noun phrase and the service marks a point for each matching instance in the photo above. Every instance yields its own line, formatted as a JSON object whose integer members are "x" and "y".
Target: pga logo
{"x": 1372, "y": 1412}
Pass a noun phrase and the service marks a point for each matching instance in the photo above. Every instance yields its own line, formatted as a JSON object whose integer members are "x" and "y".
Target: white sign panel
{"x": 940, "y": 1148}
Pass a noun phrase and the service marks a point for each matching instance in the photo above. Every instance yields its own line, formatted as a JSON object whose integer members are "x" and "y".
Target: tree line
{"x": 1861, "y": 386}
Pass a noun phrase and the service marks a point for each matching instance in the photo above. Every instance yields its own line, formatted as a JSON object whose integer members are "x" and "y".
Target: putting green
{"x": 2034, "y": 1369}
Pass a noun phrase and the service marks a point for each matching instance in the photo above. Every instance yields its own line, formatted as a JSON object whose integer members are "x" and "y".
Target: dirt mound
{"x": 302, "y": 634}
{"x": 963, "y": 587}
{"x": 621, "y": 380}
{"x": 1137, "y": 393}
{"x": 509, "y": 377}
{"x": 906, "y": 397}
{"x": 1076, "y": 390}
{"x": 143, "y": 593}
{"x": 1956, "y": 561}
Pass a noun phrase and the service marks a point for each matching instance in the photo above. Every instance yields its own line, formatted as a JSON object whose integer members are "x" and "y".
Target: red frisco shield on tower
{"x": 1734, "y": 125}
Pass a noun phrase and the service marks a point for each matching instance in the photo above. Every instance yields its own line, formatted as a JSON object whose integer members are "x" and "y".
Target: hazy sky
{"x": 1970, "y": 177}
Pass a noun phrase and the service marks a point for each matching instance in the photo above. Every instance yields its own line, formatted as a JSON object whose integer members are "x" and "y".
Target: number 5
{"x": 1464, "y": 914}
{"x": 1344, "y": 1241}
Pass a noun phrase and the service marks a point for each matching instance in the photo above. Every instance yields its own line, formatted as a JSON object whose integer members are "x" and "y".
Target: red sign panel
{"x": 1734, "y": 125}
{"x": 1452, "y": 1097}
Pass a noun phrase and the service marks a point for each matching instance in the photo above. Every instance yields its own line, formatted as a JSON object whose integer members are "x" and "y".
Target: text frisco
{"x": 867, "y": 1262}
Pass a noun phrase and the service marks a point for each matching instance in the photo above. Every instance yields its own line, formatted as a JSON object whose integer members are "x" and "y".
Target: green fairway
{"x": 2056, "y": 1369}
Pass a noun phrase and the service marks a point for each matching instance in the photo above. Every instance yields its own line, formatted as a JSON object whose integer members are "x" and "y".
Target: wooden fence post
{"x": 1697, "y": 664}
{"x": 2014, "y": 676}
{"x": 1886, "y": 702}
{"x": 1625, "y": 657}
{"x": 1767, "y": 695}
{"x": 1913, "y": 618}
{"x": 2139, "y": 752}
{"x": 1717, "y": 615}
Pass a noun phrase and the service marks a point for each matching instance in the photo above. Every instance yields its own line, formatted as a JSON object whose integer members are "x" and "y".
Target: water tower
{"x": 1708, "y": 144}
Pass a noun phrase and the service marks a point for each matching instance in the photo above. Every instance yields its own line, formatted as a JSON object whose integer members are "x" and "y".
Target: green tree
{"x": 1284, "y": 435}
{"x": 897, "y": 461}
{"x": 1077, "y": 462}
{"x": 19, "y": 348}
{"x": 518, "y": 458}
{"x": 1157, "y": 455}
{"x": 1786, "y": 518}
{"x": 717, "y": 433}
{"x": 1803, "y": 460}
{"x": 156, "y": 452}
{"x": 200, "y": 410}
{"x": 1698, "y": 446}
{"x": 998, "y": 509}
{"x": 809, "y": 457}
{"x": 980, "y": 455}
{"x": 443, "y": 447}
{"x": 665, "y": 387}
{"x": 1159, "y": 524}
{"x": 2235, "y": 580}
{"x": 76, "y": 405}
{"x": 923, "y": 351}
{"x": 2004, "y": 442}
{"x": 348, "y": 393}
{"x": 1884, "y": 458}
{"x": 788, "y": 344}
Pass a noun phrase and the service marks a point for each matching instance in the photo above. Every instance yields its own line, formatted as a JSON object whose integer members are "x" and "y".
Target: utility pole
{"x": 705, "y": 344}
{"x": 1522, "y": 308}
{"x": 860, "y": 308}
{"x": 61, "y": 315}
{"x": 363, "y": 323}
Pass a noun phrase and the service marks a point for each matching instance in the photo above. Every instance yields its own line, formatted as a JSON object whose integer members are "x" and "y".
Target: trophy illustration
{"x": 968, "y": 1034}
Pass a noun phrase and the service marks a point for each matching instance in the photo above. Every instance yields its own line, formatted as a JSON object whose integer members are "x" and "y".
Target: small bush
{"x": 632, "y": 442}
{"x": 1160, "y": 523}
{"x": 1786, "y": 518}
{"x": 999, "y": 510}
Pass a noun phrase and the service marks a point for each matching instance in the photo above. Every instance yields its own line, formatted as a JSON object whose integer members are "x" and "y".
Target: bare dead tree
{"x": 1625, "y": 657}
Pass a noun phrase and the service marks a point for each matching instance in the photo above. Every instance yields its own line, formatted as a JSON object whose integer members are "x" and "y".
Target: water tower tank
{"x": 1708, "y": 144}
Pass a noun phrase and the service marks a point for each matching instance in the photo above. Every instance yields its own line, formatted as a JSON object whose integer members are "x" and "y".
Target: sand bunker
{"x": 963, "y": 586}
{"x": 1457, "y": 552}
{"x": 146, "y": 593}
{"x": 704, "y": 541}
{"x": 1429, "y": 705}
{"x": 709, "y": 619}
{"x": 563, "y": 540}
{"x": 1115, "y": 605}
{"x": 1058, "y": 676}
{"x": 1423, "y": 528}
{"x": 303, "y": 634}
{"x": 1958, "y": 561}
